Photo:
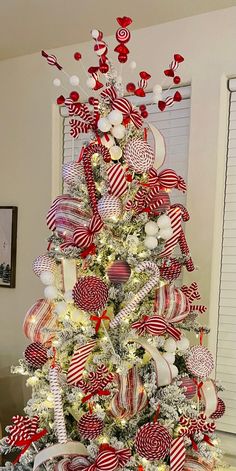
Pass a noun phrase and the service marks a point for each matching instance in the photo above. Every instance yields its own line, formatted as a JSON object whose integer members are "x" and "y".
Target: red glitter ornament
{"x": 74, "y": 96}
{"x": 189, "y": 387}
{"x": 90, "y": 293}
{"x": 104, "y": 68}
{"x": 130, "y": 87}
{"x": 60, "y": 100}
{"x": 220, "y": 409}
{"x": 122, "y": 58}
{"x": 177, "y": 80}
{"x": 90, "y": 426}
{"x": 142, "y": 108}
{"x": 77, "y": 56}
{"x": 144, "y": 114}
{"x": 35, "y": 355}
{"x": 153, "y": 441}
{"x": 119, "y": 272}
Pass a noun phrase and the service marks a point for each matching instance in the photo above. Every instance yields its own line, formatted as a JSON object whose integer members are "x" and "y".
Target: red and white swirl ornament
{"x": 153, "y": 442}
{"x": 123, "y": 36}
{"x": 90, "y": 293}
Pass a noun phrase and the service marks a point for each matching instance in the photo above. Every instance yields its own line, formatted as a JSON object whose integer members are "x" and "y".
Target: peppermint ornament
{"x": 119, "y": 272}
{"x": 153, "y": 441}
{"x": 90, "y": 293}
{"x": 123, "y": 35}
{"x": 220, "y": 410}
{"x": 68, "y": 216}
{"x": 35, "y": 355}
{"x": 139, "y": 155}
{"x": 199, "y": 361}
{"x": 44, "y": 263}
{"x": 40, "y": 322}
{"x": 90, "y": 426}
{"x": 188, "y": 387}
{"x": 73, "y": 172}
{"x": 109, "y": 207}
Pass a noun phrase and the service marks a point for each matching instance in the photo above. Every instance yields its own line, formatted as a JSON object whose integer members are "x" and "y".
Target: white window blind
{"x": 226, "y": 344}
{"x": 173, "y": 123}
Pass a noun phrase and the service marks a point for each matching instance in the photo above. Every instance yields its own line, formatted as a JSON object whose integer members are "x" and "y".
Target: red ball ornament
{"x": 74, "y": 96}
{"x": 91, "y": 100}
{"x": 142, "y": 108}
{"x": 104, "y": 68}
{"x": 144, "y": 114}
{"x": 119, "y": 272}
{"x": 189, "y": 387}
{"x": 35, "y": 355}
{"x": 122, "y": 58}
{"x": 220, "y": 409}
{"x": 60, "y": 100}
{"x": 130, "y": 87}
{"x": 90, "y": 426}
{"x": 153, "y": 441}
{"x": 177, "y": 80}
{"x": 90, "y": 293}
{"x": 77, "y": 56}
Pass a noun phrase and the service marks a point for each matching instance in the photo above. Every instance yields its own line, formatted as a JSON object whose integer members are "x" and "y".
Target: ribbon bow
{"x": 156, "y": 325}
{"x": 109, "y": 459}
{"x": 83, "y": 236}
{"x": 168, "y": 178}
{"x": 88, "y": 120}
{"x": 99, "y": 319}
{"x": 96, "y": 383}
{"x": 51, "y": 59}
{"x": 122, "y": 104}
{"x": 23, "y": 433}
{"x": 145, "y": 201}
{"x": 191, "y": 426}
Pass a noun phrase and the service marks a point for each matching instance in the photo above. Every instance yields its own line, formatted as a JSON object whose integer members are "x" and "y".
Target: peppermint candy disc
{"x": 44, "y": 263}
{"x": 90, "y": 426}
{"x": 153, "y": 441}
{"x": 36, "y": 355}
{"x": 139, "y": 155}
{"x": 40, "y": 321}
{"x": 90, "y": 293}
{"x": 123, "y": 35}
{"x": 73, "y": 172}
{"x": 220, "y": 409}
{"x": 200, "y": 361}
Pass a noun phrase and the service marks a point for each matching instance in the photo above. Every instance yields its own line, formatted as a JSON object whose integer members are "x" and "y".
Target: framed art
{"x": 8, "y": 238}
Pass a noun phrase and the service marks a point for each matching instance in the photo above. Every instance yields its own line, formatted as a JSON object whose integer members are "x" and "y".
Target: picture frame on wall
{"x": 8, "y": 241}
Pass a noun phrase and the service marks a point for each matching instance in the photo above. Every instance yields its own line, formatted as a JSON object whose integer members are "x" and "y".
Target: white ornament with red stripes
{"x": 40, "y": 322}
{"x": 199, "y": 361}
{"x": 73, "y": 172}
{"x": 117, "y": 181}
{"x": 44, "y": 263}
{"x": 109, "y": 207}
{"x": 78, "y": 362}
{"x": 116, "y": 152}
{"x": 139, "y": 155}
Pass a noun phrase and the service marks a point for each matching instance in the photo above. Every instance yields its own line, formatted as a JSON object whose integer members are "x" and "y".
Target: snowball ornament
{"x": 164, "y": 222}
{"x": 104, "y": 125}
{"x": 74, "y": 80}
{"x": 151, "y": 228}
{"x": 165, "y": 234}
{"x": 40, "y": 321}
{"x": 150, "y": 242}
{"x": 109, "y": 207}
{"x": 47, "y": 278}
{"x": 56, "y": 82}
{"x": 170, "y": 345}
{"x": 183, "y": 344}
{"x": 50, "y": 292}
{"x": 115, "y": 117}
{"x": 91, "y": 82}
{"x": 116, "y": 152}
{"x": 60, "y": 307}
{"x": 118, "y": 131}
{"x": 133, "y": 65}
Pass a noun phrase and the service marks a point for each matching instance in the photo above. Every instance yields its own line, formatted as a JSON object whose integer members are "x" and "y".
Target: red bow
{"x": 83, "y": 236}
{"x": 168, "y": 178}
{"x": 99, "y": 319}
{"x": 51, "y": 59}
{"x": 124, "y": 22}
{"x": 91, "y": 250}
{"x": 156, "y": 325}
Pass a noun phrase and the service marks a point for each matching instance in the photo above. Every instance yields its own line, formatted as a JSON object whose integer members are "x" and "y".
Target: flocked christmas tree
{"x": 115, "y": 382}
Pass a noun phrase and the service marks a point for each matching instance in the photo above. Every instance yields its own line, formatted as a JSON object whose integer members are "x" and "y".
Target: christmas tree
{"x": 115, "y": 382}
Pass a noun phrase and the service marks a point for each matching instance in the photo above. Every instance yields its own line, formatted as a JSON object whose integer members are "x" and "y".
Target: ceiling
{"x": 27, "y": 26}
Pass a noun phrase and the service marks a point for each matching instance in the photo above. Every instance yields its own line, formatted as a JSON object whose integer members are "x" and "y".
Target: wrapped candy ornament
{"x": 188, "y": 387}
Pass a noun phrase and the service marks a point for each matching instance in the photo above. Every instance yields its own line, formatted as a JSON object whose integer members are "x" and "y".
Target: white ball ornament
{"x": 74, "y": 80}
{"x": 108, "y": 141}
{"x": 174, "y": 370}
{"x": 166, "y": 234}
{"x": 47, "y": 278}
{"x": 60, "y": 307}
{"x": 151, "y": 228}
{"x": 150, "y": 242}
{"x": 116, "y": 152}
{"x": 104, "y": 125}
{"x": 91, "y": 82}
{"x": 68, "y": 296}
{"x": 118, "y": 131}
{"x": 115, "y": 117}
{"x": 133, "y": 65}
{"x": 170, "y": 345}
{"x": 50, "y": 292}
{"x": 170, "y": 357}
{"x": 157, "y": 89}
{"x": 163, "y": 221}
{"x": 56, "y": 82}
{"x": 183, "y": 344}
{"x": 94, "y": 33}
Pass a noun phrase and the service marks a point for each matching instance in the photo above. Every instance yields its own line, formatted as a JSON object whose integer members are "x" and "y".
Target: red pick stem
{"x": 155, "y": 418}
{"x": 145, "y": 134}
{"x": 54, "y": 357}
{"x": 155, "y": 302}
{"x": 90, "y": 407}
{"x": 201, "y": 336}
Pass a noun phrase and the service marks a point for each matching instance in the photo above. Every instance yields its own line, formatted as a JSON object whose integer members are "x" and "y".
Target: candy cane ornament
{"x": 131, "y": 306}
{"x": 58, "y": 406}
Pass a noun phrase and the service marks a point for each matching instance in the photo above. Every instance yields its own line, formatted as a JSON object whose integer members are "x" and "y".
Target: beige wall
{"x": 208, "y": 44}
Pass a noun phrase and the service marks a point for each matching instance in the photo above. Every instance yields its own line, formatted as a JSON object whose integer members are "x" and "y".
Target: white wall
{"x": 208, "y": 44}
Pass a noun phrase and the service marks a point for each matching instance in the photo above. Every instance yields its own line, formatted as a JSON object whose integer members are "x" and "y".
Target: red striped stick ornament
{"x": 78, "y": 362}
{"x": 177, "y": 454}
{"x": 117, "y": 182}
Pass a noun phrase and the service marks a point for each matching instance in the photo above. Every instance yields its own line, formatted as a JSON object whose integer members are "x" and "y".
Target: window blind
{"x": 173, "y": 123}
{"x": 226, "y": 342}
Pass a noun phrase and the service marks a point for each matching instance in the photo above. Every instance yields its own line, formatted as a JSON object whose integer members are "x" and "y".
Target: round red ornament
{"x": 104, "y": 68}
{"x": 200, "y": 361}
{"x": 142, "y": 108}
{"x": 170, "y": 269}
{"x": 189, "y": 387}
{"x": 90, "y": 426}
{"x": 220, "y": 410}
{"x": 74, "y": 95}
{"x": 35, "y": 355}
{"x": 144, "y": 114}
{"x": 90, "y": 293}
{"x": 153, "y": 441}
{"x": 176, "y": 80}
{"x": 119, "y": 272}
{"x": 122, "y": 58}
{"x": 130, "y": 87}
{"x": 77, "y": 56}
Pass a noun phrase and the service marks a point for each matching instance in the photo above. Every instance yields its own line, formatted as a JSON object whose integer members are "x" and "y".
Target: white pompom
{"x": 133, "y": 65}
{"x": 94, "y": 33}
{"x": 74, "y": 80}
{"x": 150, "y": 242}
{"x": 157, "y": 97}
{"x": 174, "y": 370}
{"x": 91, "y": 82}
{"x": 165, "y": 234}
{"x": 104, "y": 125}
{"x": 157, "y": 89}
{"x": 151, "y": 228}
{"x": 183, "y": 344}
{"x": 56, "y": 82}
{"x": 170, "y": 345}
{"x": 108, "y": 141}
{"x": 170, "y": 357}
{"x": 115, "y": 117}
{"x": 50, "y": 292}
{"x": 60, "y": 307}
{"x": 47, "y": 277}
{"x": 118, "y": 131}
{"x": 163, "y": 221}
{"x": 68, "y": 296}
{"x": 116, "y": 152}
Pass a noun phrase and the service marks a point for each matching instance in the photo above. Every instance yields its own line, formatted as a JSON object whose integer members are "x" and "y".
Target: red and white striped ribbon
{"x": 78, "y": 362}
{"x": 83, "y": 236}
{"x": 175, "y": 215}
{"x": 117, "y": 182}
{"x": 177, "y": 454}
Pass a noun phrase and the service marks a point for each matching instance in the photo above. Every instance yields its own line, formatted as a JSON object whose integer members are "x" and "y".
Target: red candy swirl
{"x": 153, "y": 441}
{"x": 123, "y": 35}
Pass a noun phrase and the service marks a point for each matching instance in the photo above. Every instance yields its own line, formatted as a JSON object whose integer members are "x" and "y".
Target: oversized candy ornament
{"x": 153, "y": 441}
{"x": 40, "y": 322}
{"x": 90, "y": 293}
{"x": 131, "y": 397}
{"x": 68, "y": 216}
{"x": 139, "y": 155}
